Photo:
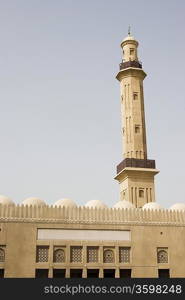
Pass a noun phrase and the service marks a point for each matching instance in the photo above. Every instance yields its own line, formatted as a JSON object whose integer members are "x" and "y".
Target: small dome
{"x": 95, "y": 204}
{"x": 65, "y": 202}
{"x": 152, "y": 205}
{"x": 129, "y": 38}
{"x": 5, "y": 200}
{"x": 123, "y": 204}
{"x": 33, "y": 201}
{"x": 178, "y": 206}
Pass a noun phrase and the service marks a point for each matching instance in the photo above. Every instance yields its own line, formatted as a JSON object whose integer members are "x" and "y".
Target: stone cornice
{"x": 131, "y": 72}
{"x": 137, "y": 172}
{"x": 91, "y": 222}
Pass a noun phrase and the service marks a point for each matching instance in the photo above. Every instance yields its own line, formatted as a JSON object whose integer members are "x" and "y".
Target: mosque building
{"x": 135, "y": 238}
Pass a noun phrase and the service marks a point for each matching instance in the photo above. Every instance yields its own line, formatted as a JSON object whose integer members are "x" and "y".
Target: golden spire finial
{"x": 129, "y": 30}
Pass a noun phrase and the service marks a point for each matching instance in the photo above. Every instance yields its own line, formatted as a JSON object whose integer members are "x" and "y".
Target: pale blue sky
{"x": 60, "y": 126}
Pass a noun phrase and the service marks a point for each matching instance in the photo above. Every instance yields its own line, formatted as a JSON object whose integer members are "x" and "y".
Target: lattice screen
{"x": 108, "y": 256}
{"x": 59, "y": 256}
{"x": 162, "y": 256}
{"x": 2, "y": 254}
{"x": 76, "y": 254}
{"x": 124, "y": 254}
{"x": 42, "y": 253}
{"x": 92, "y": 254}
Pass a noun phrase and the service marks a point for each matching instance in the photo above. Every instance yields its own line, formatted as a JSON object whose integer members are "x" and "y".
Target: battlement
{"x": 86, "y": 215}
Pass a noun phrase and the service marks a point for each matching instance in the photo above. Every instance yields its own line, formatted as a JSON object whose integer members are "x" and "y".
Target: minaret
{"x": 135, "y": 173}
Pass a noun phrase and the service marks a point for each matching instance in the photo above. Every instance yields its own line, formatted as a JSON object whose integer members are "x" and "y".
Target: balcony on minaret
{"x": 136, "y": 163}
{"x": 130, "y": 64}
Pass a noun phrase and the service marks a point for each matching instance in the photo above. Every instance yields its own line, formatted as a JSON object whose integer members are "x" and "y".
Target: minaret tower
{"x": 136, "y": 172}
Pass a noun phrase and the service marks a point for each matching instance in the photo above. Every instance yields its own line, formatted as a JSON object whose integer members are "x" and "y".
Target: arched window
{"x": 2, "y": 255}
{"x": 108, "y": 256}
{"x": 59, "y": 256}
{"x": 162, "y": 256}
{"x": 141, "y": 193}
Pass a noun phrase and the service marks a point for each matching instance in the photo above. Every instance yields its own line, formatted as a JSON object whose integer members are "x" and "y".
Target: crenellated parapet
{"x": 86, "y": 215}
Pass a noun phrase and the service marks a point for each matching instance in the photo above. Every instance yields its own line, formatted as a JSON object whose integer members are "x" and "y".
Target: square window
{"x": 124, "y": 254}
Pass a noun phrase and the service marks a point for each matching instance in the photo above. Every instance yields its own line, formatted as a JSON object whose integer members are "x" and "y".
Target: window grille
{"x": 124, "y": 254}
{"x": 2, "y": 255}
{"x": 108, "y": 256}
{"x": 59, "y": 256}
{"x": 42, "y": 254}
{"x": 76, "y": 254}
{"x": 92, "y": 254}
{"x": 162, "y": 256}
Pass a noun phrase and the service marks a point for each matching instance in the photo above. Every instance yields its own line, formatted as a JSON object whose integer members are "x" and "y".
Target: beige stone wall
{"x": 132, "y": 113}
{"x": 149, "y": 231}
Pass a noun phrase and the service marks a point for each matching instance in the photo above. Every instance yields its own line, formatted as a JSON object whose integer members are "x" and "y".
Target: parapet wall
{"x": 85, "y": 215}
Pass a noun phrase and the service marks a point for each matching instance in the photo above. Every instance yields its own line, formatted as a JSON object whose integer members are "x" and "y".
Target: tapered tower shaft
{"x": 131, "y": 78}
{"x": 135, "y": 173}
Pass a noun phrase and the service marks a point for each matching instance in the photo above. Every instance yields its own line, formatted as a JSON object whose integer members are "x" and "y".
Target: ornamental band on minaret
{"x": 136, "y": 172}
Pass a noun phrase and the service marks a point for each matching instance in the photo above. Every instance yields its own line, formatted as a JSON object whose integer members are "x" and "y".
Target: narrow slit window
{"x": 137, "y": 128}
{"x": 141, "y": 193}
{"x": 135, "y": 96}
{"x": 131, "y": 51}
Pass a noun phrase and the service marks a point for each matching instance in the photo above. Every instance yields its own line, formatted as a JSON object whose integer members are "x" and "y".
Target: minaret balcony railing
{"x": 136, "y": 163}
{"x": 130, "y": 63}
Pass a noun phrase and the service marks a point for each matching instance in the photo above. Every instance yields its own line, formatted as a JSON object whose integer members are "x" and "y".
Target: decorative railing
{"x": 130, "y": 63}
{"x": 136, "y": 163}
